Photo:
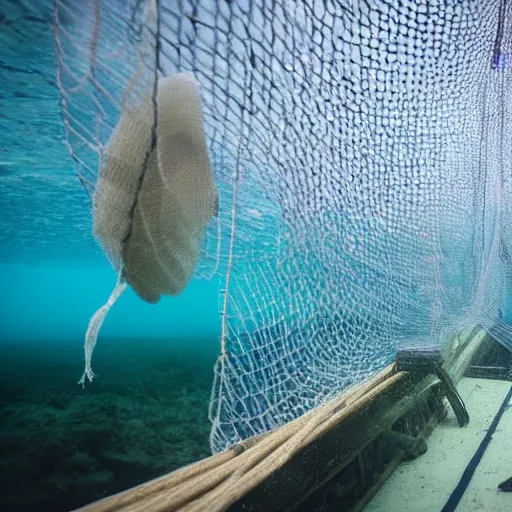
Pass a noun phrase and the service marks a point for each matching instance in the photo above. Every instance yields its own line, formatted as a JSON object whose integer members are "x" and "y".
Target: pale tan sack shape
{"x": 173, "y": 207}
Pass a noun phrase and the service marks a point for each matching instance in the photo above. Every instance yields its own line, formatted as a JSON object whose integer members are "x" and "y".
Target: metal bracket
{"x": 428, "y": 361}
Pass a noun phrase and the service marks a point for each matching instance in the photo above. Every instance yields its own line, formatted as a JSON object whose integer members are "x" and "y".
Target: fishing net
{"x": 362, "y": 152}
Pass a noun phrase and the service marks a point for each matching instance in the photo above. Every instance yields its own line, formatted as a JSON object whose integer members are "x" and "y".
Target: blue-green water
{"x": 53, "y": 301}
{"x": 62, "y": 446}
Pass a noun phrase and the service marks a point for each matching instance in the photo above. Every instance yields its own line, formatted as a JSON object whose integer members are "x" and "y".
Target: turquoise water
{"x": 62, "y": 446}
{"x": 53, "y": 301}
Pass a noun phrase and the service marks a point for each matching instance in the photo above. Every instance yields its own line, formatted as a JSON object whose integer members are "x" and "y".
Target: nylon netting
{"x": 363, "y": 153}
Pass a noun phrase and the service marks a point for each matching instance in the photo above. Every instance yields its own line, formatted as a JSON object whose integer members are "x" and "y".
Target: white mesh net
{"x": 363, "y": 156}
